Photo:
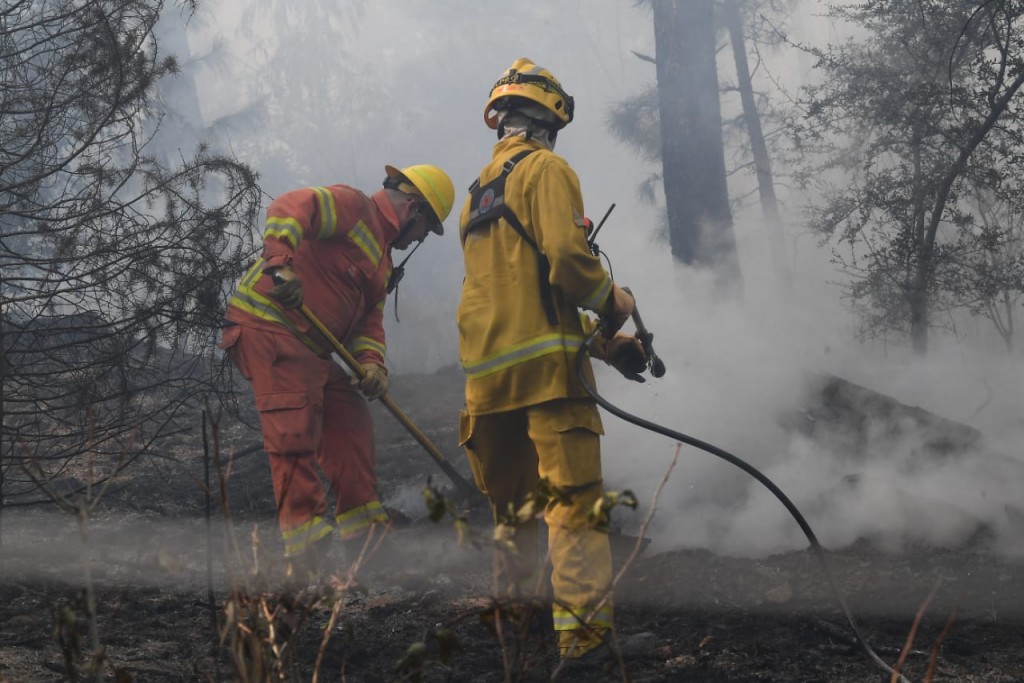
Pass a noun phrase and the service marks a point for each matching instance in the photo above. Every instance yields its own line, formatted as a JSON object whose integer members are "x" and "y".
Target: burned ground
{"x": 706, "y": 617}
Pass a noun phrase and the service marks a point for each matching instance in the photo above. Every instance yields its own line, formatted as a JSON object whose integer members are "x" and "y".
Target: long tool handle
{"x": 460, "y": 482}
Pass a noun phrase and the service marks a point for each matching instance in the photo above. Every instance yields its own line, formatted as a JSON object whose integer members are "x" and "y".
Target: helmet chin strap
{"x": 396, "y": 276}
{"x": 399, "y": 271}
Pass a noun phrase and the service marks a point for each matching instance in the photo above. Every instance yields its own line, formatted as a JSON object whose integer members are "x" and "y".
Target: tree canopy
{"x": 114, "y": 263}
{"x": 915, "y": 136}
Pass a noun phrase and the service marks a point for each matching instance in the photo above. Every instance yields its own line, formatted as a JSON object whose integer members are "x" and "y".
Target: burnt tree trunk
{"x": 758, "y": 149}
{"x": 693, "y": 156}
{"x": 3, "y": 414}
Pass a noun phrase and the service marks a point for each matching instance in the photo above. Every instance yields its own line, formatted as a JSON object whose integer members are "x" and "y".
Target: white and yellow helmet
{"x": 527, "y": 80}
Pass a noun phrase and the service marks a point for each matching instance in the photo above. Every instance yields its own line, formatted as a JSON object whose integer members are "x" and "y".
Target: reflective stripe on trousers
{"x": 311, "y": 418}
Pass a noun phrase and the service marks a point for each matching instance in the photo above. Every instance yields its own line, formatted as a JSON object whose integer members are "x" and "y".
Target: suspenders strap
{"x": 487, "y": 204}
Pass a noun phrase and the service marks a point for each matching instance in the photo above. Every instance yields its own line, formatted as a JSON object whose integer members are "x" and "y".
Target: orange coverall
{"x": 338, "y": 241}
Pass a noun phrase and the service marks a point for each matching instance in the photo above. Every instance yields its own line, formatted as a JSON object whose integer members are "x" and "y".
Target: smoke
{"x": 120, "y": 549}
{"x": 743, "y": 374}
{"x": 172, "y": 553}
{"x": 738, "y": 371}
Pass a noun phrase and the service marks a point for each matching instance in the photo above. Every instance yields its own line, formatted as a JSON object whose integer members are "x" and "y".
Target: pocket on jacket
{"x": 291, "y": 422}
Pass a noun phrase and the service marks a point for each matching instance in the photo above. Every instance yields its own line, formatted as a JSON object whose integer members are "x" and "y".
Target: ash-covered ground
{"x": 164, "y": 572}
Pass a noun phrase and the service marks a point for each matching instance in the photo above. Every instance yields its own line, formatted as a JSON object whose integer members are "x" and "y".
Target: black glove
{"x": 617, "y": 311}
{"x": 626, "y": 354}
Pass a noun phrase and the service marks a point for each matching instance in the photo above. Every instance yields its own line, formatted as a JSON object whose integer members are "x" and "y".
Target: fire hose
{"x": 657, "y": 369}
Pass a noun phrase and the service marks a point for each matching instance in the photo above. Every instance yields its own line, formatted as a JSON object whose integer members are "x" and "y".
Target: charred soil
{"x": 422, "y": 607}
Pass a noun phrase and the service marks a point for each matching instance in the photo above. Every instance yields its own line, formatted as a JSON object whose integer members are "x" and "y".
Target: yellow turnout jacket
{"x": 511, "y": 353}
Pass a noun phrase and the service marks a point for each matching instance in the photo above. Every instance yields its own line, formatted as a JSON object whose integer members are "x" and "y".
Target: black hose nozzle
{"x": 646, "y": 337}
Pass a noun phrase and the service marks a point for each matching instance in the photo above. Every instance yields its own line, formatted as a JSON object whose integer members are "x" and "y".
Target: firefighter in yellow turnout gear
{"x": 529, "y": 271}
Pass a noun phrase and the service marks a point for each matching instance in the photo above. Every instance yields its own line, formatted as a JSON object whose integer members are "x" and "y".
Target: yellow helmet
{"x": 429, "y": 182}
{"x": 527, "y": 80}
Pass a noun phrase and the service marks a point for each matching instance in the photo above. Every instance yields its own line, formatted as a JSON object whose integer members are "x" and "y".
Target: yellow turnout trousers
{"x": 559, "y": 440}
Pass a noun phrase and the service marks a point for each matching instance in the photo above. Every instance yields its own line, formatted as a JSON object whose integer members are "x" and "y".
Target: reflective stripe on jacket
{"x": 511, "y": 354}
{"x": 337, "y": 240}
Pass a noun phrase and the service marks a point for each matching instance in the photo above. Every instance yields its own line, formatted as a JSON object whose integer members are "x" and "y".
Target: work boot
{"x": 590, "y": 650}
{"x": 583, "y": 654}
{"x": 309, "y": 566}
{"x": 300, "y": 571}
{"x": 577, "y": 643}
{"x": 397, "y": 519}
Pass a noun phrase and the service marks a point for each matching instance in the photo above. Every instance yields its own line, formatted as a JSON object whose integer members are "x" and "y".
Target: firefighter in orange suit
{"x": 529, "y": 271}
{"x": 330, "y": 248}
